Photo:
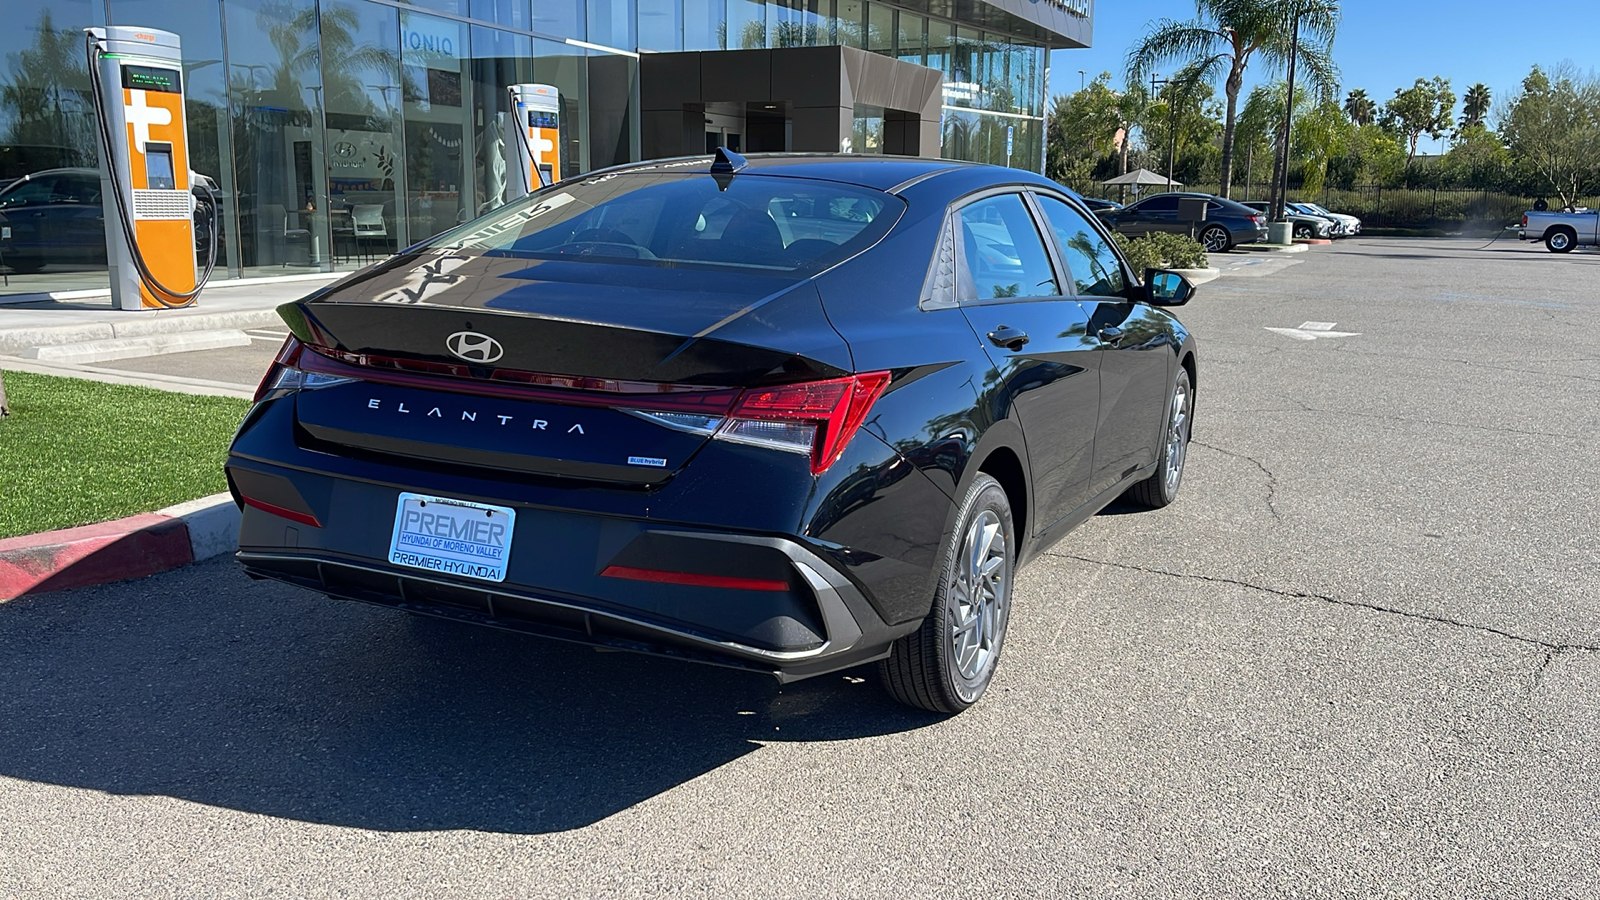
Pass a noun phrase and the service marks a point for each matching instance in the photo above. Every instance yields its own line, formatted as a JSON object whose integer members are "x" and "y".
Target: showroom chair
{"x": 289, "y": 233}
{"x": 367, "y": 222}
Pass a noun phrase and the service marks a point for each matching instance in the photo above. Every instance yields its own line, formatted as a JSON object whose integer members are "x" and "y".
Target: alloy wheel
{"x": 1178, "y": 435}
{"x": 977, "y": 596}
{"x": 1215, "y": 240}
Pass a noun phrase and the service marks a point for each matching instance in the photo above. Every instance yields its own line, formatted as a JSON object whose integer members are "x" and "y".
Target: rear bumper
{"x": 555, "y": 584}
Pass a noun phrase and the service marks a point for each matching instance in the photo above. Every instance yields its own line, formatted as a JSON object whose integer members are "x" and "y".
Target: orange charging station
{"x": 137, "y": 76}
{"x": 533, "y": 139}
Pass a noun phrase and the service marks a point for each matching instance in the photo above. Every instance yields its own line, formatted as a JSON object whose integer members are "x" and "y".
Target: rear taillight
{"x": 287, "y": 373}
{"x": 1259, "y": 220}
{"x": 1524, "y": 220}
{"x": 816, "y": 418}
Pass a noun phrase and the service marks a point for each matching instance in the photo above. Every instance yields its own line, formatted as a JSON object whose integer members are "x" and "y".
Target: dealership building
{"x": 339, "y": 130}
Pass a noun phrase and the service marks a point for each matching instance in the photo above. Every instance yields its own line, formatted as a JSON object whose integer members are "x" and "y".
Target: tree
{"x": 1181, "y": 109}
{"x": 1552, "y": 128}
{"x": 1223, "y": 38}
{"x": 1427, "y": 107}
{"x": 1361, "y": 109}
{"x": 1475, "y": 105}
{"x": 1477, "y": 159}
{"x": 1321, "y": 135}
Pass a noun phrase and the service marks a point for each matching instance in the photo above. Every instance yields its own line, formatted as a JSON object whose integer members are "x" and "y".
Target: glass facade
{"x": 338, "y": 131}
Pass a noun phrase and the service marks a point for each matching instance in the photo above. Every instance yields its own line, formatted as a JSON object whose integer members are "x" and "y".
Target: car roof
{"x": 877, "y": 172}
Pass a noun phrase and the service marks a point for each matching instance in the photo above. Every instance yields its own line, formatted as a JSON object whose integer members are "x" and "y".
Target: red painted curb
{"x": 1318, "y": 241}
{"x": 92, "y": 554}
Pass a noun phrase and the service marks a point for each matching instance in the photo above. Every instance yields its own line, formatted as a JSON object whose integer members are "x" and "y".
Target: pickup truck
{"x": 1561, "y": 231}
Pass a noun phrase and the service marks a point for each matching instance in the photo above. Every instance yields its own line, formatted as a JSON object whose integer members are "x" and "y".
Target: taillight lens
{"x": 285, "y": 374}
{"x": 817, "y": 418}
{"x": 1259, "y": 220}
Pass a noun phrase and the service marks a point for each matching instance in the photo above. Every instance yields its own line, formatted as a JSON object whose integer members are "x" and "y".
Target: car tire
{"x": 1559, "y": 240}
{"x": 1304, "y": 232}
{"x": 1161, "y": 488}
{"x": 946, "y": 665}
{"x": 1216, "y": 239}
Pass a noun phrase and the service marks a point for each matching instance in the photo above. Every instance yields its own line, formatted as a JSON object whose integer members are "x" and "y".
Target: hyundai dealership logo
{"x": 474, "y": 347}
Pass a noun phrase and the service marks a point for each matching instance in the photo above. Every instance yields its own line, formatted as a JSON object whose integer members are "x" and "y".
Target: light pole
{"x": 1080, "y": 79}
{"x": 1280, "y": 188}
{"x": 1172, "y": 131}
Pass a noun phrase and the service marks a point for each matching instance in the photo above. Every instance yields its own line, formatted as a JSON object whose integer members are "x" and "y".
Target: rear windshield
{"x": 672, "y": 219}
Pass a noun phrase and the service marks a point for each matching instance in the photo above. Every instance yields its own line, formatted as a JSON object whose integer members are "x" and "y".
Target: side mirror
{"x": 1165, "y": 287}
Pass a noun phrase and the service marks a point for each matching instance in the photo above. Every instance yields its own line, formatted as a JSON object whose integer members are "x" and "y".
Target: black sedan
{"x": 1226, "y": 223}
{"x": 789, "y": 414}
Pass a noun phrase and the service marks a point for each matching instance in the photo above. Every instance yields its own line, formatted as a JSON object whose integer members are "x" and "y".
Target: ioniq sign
{"x": 474, "y": 347}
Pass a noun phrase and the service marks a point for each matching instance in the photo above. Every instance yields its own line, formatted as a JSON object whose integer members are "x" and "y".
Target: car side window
{"x": 1159, "y": 204}
{"x": 1001, "y": 251}
{"x": 1092, "y": 264}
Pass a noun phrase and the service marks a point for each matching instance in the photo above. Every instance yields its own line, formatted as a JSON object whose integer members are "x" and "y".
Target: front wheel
{"x": 1216, "y": 239}
{"x": 1304, "y": 232}
{"x": 946, "y": 665}
{"x": 1161, "y": 488}
{"x": 1559, "y": 241}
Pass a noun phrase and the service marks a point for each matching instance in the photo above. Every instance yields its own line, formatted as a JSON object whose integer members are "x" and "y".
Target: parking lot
{"x": 1360, "y": 656}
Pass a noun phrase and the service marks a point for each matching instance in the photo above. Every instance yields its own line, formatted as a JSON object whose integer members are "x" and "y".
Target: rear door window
{"x": 1002, "y": 254}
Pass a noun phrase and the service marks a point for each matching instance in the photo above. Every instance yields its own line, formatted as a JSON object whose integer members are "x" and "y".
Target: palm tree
{"x": 1475, "y": 105}
{"x": 1361, "y": 109}
{"x": 1226, "y": 34}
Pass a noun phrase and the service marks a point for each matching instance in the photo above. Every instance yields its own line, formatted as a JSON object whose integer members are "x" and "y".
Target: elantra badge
{"x": 474, "y": 347}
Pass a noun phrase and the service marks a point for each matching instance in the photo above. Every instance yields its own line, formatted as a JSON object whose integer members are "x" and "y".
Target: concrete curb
{"x": 14, "y": 341}
{"x": 1272, "y": 248}
{"x": 1200, "y": 276}
{"x": 105, "y": 292}
{"x": 116, "y": 551}
{"x": 125, "y": 348}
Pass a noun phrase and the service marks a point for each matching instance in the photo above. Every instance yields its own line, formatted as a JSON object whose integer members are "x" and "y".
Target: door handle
{"x": 1111, "y": 334}
{"x": 1008, "y": 337}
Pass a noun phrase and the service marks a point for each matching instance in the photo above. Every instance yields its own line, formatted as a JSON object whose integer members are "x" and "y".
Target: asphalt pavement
{"x": 1360, "y": 656}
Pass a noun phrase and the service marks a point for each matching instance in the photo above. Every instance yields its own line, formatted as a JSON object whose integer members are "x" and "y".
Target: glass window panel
{"x": 1093, "y": 265}
{"x": 613, "y": 109}
{"x": 880, "y": 28}
{"x": 941, "y": 43}
{"x": 611, "y": 23}
{"x": 849, "y": 26}
{"x": 362, "y": 92}
{"x": 47, "y": 122}
{"x": 1002, "y": 253}
{"x": 275, "y": 91}
{"x": 747, "y": 24}
{"x": 661, "y": 24}
{"x": 866, "y": 133}
{"x": 912, "y": 37}
{"x": 564, "y": 67}
{"x": 796, "y": 23}
{"x": 436, "y": 88}
{"x": 511, "y": 13}
{"x": 454, "y": 7}
{"x": 705, "y": 25}
{"x": 499, "y": 60}
{"x": 561, "y": 18}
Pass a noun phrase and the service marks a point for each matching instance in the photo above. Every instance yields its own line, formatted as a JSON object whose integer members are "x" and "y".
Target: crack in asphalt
{"x": 1272, "y": 480}
{"x": 1550, "y": 649}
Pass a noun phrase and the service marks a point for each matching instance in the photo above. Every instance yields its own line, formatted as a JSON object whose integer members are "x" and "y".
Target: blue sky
{"x": 1385, "y": 44}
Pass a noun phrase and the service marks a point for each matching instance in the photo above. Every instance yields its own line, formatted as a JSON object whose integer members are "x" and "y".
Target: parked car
{"x": 1350, "y": 224}
{"x": 1226, "y": 223}
{"x": 1303, "y": 225}
{"x": 1096, "y": 204}
{"x": 55, "y": 217}
{"x": 650, "y": 409}
{"x": 1561, "y": 231}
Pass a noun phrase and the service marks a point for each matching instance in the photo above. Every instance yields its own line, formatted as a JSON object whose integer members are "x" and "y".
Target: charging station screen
{"x": 149, "y": 78}
{"x": 538, "y": 118}
{"x": 158, "y": 167}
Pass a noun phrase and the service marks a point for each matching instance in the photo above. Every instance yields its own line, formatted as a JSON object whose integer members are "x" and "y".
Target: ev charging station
{"x": 533, "y": 140}
{"x": 137, "y": 79}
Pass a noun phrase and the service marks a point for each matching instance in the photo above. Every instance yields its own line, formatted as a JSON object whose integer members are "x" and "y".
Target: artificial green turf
{"x": 75, "y": 452}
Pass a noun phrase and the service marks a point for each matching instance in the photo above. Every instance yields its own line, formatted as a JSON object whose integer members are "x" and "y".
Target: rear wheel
{"x": 1559, "y": 240}
{"x": 946, "y": 665}
{"x": 1216, "y": 239}
{"x": 24, "y": 265}
{"x": 1304, "y": 232}
{"x": 1161, "y": 488}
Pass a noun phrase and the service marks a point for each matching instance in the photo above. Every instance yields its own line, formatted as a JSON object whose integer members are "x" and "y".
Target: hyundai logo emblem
{"x": 474, "y": 347}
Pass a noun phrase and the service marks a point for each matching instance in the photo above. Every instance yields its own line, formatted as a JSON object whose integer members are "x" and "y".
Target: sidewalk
{"x": 25, "y": 328}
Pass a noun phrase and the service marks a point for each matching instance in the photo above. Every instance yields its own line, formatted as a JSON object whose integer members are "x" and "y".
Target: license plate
{"x": 452, "y": 537}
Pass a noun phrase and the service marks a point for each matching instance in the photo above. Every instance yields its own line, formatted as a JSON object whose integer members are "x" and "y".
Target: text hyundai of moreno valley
{"x": 791, "y": 413}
